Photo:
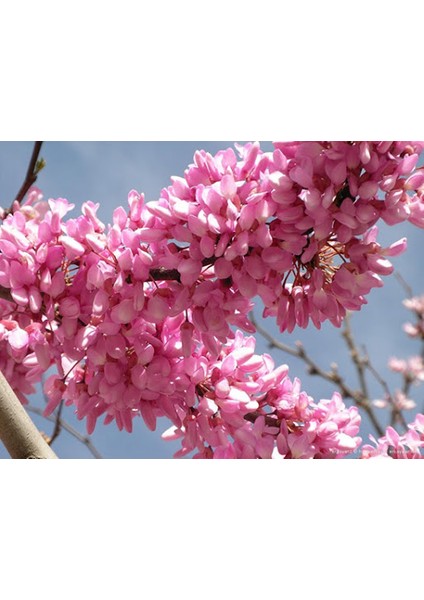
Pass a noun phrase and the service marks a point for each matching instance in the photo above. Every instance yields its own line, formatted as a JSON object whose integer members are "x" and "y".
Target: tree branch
{"x": 396, "y": 413}
{"x": 357, "y": 359}
{"x": 84, "y": 439}
{"x": 18, "y": 433}
{"x": 34, "y": 168}
{"x": 5, "y": 294}
{"x": 57, "y": 425}
{"x": 162, "y": 274}
{"x": 333, "y": 376}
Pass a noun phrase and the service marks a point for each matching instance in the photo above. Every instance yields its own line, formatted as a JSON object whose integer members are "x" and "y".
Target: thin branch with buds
{"x": 358, "y": 396}
{"x": 357, "y": 359}
{"x": 84, "y": 439}
{"x": 362, "y": 364}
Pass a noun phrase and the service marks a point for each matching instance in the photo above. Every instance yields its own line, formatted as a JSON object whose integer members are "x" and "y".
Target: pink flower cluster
{"x": 140, "y": 318}
{"x": 412, "y": 368}
{"x": 416, "y": 305}
{"x": 247, "y": 408}
{"x": 24, "y": 354}
{"x": 410, "y": 443}
{"x": 295, "y": 227}
{"x": 394, "y": 445}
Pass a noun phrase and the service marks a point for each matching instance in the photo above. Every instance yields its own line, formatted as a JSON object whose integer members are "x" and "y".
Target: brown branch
{"x": 343, "y": 193}
{"x": 396, "y": 413}
{"x": 162, "y": 274}
{"x": 57, "y": 425}
{"x": 407, "y": 383}
{"x": 357, "y": 359}
{"x": 363, "y": 363}
{"x": 18, "y": 433}
{"x": 34, "y": 168}
{"x": 5, "y": 294}
{"x": 269, "y": 420}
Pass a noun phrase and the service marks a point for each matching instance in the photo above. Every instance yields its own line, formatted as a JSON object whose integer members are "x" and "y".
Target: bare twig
{"x": 84, "y": 439}
{"x": 404, "y": 284}
{"x": 58, "y": 424}
{"x": 357, "y": 359}
{"x": 396, "y": 413}
{"x": 34, "y": 168}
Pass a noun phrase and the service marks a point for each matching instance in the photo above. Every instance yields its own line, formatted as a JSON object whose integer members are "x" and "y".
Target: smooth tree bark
{"x": 18, "y": 433}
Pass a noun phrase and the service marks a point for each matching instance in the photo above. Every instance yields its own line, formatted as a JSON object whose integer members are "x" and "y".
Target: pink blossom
{"x": 143, "y": 318}
{"x": 393, "y": 445}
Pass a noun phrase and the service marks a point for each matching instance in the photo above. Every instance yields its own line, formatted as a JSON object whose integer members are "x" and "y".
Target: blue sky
{"x": 105, "y": 172}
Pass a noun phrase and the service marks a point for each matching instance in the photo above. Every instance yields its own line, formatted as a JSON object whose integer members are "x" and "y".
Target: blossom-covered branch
{"x": 359, "y": 396}
{"x": 146, "y": 316}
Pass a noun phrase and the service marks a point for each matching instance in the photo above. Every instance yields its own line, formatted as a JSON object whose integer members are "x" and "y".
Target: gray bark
{"x": 17, "y": 432}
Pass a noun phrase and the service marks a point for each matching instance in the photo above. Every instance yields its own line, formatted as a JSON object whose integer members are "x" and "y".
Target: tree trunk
{"x": 17, "y": 432}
